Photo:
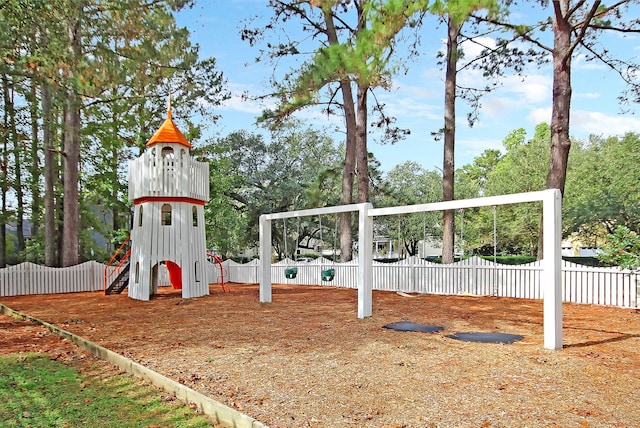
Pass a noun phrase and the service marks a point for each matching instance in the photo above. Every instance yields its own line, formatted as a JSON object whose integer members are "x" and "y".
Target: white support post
{"x": 365, "y": 261}
{"x": 265, "y": 260}
{"x": 552, "y": 272}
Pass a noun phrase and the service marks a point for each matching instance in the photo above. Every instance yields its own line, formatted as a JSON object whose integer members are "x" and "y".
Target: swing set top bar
{"x": 315, "y": 211}
{"x": 515, "y": 198}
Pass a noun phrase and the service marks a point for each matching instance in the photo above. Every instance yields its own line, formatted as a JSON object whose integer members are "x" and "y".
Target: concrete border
{"x": 220, "y": 413}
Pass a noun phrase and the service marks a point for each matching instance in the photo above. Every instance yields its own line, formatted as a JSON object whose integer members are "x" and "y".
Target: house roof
{"x": 168, "y": 133}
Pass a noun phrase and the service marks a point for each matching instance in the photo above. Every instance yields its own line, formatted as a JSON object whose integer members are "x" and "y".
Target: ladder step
{"x": 121, "y": 282}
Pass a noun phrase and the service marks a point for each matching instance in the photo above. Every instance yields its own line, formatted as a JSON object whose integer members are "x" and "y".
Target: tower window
{"x": 167, "y": 152}
{"x": 194, "y": 210}
{"x": 140, "y": 216}
{"x": 197, "y": 271}
{"x": 166, "y": 215}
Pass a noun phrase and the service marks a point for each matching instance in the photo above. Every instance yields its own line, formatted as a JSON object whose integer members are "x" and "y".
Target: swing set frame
{"x": 551, "y": 277}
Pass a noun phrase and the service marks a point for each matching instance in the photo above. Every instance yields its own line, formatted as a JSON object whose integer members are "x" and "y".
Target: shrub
{"x": 622, "y": 248}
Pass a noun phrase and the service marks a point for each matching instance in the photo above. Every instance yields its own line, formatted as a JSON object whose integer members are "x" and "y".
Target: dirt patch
{"x": 306, "y": 360}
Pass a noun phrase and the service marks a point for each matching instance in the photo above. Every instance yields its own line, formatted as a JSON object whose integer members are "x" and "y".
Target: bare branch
{"x": 583, "y": 28}
{"x": 517, "y": 30}
{"x": 570, "y": 12}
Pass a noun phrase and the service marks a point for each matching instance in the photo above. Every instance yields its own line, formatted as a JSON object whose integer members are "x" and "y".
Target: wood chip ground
{"x": 306, "y": 360}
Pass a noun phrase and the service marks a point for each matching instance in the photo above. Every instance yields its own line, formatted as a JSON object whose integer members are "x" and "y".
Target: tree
{"x": 520, "y": 169}
{"x": 355, "y": 39}
{"x": 576, "y": 26}
{"x": 296, "y": 169}
{"x": 95, "y": 71}
{"x": 407, "y": 184}
{"x": 622, "y": 248}
{"x": 457, "y": 12}
{"x": 603, "y": 187}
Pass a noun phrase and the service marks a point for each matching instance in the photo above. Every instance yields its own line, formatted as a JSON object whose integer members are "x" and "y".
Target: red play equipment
{"x": 218, "y": 260}
{"x": 116, "y": 278}
{"x": 121, "y": 271}
{"x": 175, "y": 274}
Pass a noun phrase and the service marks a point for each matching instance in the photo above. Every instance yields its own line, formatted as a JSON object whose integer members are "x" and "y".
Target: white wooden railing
{"x": 167, "y": 176}
{"x": 475, "y": 276}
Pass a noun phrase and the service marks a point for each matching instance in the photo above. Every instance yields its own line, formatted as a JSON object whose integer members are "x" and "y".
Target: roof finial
{"x": 169, "y": 108}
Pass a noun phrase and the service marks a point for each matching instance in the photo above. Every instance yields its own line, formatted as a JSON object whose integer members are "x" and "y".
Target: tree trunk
{"x": 362, "y": 154}
{"x": 50, "y": 172}
{"x": 4, "y": 184}
{"x": 346, "y": 195}
{"x": 115, "y": 212}
{"x": 17, "y": 163}
{"x": 561, "y": 106}
{"x": 448, "y": 165}
{"x": 34, "y": 182}
{"x": 71, "y": 161}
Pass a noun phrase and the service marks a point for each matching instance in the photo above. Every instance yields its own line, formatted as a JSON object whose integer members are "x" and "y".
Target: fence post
{"x": 552, "y": 273}
{"x": 365, "y": 261}
{"x": 265, "y": 260}
{"x": 635, "y": 297}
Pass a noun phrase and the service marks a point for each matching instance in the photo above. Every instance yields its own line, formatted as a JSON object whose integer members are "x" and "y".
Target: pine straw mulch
{"x": 306, "y": 360}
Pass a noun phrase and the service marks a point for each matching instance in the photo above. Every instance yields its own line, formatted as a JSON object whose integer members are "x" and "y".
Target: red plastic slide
{"x": 175, "y": 274}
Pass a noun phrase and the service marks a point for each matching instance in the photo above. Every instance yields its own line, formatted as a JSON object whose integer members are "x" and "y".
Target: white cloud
{"x": 411, "y": 101}
{"x": 494, "y": 107}
{"x": 590, "y": 95}
{"x": 535, "y": 88}
{"x": 407, "y": 108}
{"x": 473, "y": 48}
{"x": 539, "y": 115}
{"x": 584, "y": 123}
{"x": 416, "y": 91}
{"x": 238, "y": 103}
{"x": 471, "y": 148}
{"x": 514, "y": 93}
{"x": 580, "y": 62}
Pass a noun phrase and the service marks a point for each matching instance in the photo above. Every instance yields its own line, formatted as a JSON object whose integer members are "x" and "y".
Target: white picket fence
{"x": 30, "y": 278}
{"x": 475, "y": 276}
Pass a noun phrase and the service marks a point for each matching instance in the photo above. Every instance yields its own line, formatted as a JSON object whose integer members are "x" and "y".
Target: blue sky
{"x": 417, "y": 96}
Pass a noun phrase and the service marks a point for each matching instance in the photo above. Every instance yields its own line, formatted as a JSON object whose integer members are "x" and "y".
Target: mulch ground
{"x": 307, "y": 360}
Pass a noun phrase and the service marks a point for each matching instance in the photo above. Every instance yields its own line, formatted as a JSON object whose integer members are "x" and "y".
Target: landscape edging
{"x": 220, "y": 413}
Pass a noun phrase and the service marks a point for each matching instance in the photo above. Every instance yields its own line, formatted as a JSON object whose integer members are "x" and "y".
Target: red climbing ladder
{"x": 116, "y": 278}
{"x": 218, "y": 260}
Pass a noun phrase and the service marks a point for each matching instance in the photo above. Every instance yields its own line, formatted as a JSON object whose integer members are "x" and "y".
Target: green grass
{"x": 36, "y": 391}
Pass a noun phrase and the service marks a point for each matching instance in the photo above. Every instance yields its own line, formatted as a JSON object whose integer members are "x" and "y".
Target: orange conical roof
{"x": 168, "y": 133}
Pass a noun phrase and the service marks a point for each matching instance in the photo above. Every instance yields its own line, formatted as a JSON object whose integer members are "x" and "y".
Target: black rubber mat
{"x": 412, "y": 326}
{"x": 480, "y": 337}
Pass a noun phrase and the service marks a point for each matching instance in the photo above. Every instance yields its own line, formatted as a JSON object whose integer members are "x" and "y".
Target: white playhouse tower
{"x": 169, "y": 190}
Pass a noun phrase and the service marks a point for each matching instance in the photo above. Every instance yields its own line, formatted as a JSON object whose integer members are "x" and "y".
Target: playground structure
{"x": 168, "y": 189}
{"x": 551, "y": 274}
